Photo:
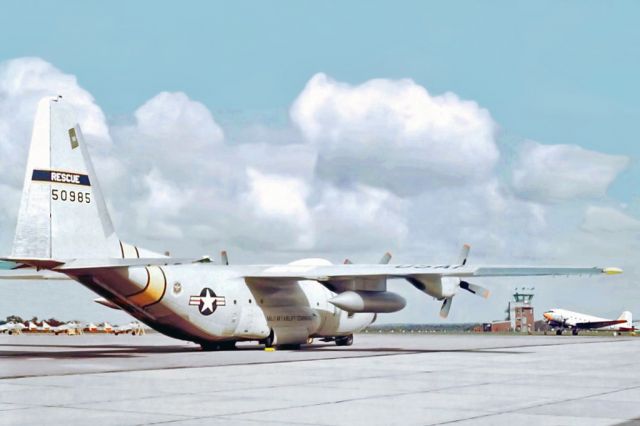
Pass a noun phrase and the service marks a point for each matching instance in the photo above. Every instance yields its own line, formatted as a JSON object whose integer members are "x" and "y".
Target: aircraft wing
{"x": 352, "y": 271}
{"x": 598, "y": 324}
{"x": 324, "y": 272}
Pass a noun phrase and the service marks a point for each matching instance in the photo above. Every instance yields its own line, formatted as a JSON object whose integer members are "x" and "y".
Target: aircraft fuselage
{"x": 213, "y": 303}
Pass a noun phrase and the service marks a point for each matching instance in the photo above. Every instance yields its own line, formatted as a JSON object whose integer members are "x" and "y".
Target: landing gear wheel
{"x": 228, "y": 346}
{"x": 344, "y": 340}
{"x": 268, "y": 341}
{"x": 574, "y": 331}
{"x": 558, "y": 332}
{"x": 292, "y": 347}
{"x": 309, "y": 340}
{"x": 210, "y": 346}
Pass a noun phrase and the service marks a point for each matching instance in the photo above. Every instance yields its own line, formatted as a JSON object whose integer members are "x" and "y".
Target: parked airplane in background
{"x": 560, "y": 319}
{"x": 71, "y": 328}
{"x": 12, "y": 328}
{"x": 133, "y": 328}
{"x": 64, "y": 227}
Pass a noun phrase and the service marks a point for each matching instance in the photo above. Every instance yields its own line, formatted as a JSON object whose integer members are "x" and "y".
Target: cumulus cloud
{"x": 22, "y": 83}
{"x": 394, "y": 134}
{"x": 282, "y": 202}
{"x": 608, "y": 219}
{"x": 384, "y": 165}
{"x": 352, "y": 219}
{"x": 553, "y": 173}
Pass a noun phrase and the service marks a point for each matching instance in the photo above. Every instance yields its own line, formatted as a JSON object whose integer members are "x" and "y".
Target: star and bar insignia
{"x": 207, "y": 301}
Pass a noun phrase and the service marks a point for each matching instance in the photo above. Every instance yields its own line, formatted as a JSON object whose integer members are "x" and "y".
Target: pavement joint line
{"x": 338, "y": 402}
{"x": 169, "y": 394}
{"x": 107, "y": 410}
{"x": 236, "y": 364}
{"x": 329, "y": 403}
{"x": 552, "y": 402}
{"x": 282, "y": 361}
{"x": 491, "y": 350}
{"x": 326, "y": 363}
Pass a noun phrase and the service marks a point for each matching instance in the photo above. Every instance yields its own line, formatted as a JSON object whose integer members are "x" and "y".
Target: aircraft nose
{"x": 548, "y": 316}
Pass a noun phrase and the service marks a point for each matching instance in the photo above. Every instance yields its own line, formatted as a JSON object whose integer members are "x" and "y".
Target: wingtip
{"x": 611, "y": 271}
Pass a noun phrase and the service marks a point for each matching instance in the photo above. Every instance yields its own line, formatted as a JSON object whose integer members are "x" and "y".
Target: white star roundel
{"x": 207, "y": 301}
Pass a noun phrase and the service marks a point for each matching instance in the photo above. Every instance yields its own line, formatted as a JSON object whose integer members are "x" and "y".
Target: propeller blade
{"x": 446, "y": 307}
{"x": 475, "y": 289}
{"x": 385, "y": 259}
{"x": 462, "y": 260}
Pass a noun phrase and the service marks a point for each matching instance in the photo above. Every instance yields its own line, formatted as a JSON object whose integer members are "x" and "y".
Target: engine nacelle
{"x": 369, "y": 301}
{"x": 436, "y": 286}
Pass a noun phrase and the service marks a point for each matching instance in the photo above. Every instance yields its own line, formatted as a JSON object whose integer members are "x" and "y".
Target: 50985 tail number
{"x": 71, "y": 196}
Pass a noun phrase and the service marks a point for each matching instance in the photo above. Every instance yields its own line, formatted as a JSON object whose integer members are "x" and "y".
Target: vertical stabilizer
{"x": 626, "y": 315}
{"x": 62, "y": 213}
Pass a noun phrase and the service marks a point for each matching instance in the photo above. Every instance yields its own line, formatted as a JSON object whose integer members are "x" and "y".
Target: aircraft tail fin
{"x": 62, "y": 212}
{"x": 626, "y": 315}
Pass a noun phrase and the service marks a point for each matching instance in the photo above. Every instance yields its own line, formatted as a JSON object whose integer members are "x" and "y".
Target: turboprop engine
{"x": 369, "y": 301}
{"x": 444, "y": 288}
{"x": 451, "y": 285}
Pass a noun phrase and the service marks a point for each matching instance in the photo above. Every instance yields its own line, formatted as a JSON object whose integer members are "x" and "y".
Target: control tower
{"x": 520, "y": 311}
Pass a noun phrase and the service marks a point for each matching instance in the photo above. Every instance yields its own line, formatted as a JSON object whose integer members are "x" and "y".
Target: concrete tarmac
{"x": 380, "y": 380}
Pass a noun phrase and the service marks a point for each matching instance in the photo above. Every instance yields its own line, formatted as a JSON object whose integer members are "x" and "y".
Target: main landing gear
{"x": 218, "y": 346}
{"x": 344, "y": 340}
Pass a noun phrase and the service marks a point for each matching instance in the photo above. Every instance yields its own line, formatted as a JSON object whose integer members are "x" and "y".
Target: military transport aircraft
{"x": 64, "y": 228}
{"x": 561, "y": 319}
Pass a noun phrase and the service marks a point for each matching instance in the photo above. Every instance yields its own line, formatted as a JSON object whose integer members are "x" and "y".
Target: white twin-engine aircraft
{"x": 561, "y": 319}
{"x": 64, "y": 231}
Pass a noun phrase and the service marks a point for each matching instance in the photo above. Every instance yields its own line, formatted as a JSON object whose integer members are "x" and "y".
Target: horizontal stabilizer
{"x": 32, "y": 274}
{"x": 77, "y": 264}
{"x": 107, "y": 303}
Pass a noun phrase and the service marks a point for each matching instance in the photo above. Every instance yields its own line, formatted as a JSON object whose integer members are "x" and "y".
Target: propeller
{"x": 383, "y": 260}
{"x": 471, "y": 288}
{"x": 446, "y": 306}
{"x": 475, "y": 289}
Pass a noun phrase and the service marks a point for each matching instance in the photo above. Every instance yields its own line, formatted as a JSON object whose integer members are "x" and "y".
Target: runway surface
{"x": 381, "y": 379}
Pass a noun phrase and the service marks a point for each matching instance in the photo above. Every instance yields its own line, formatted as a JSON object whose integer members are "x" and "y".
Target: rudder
{"x": 626, "y": 315}
{"x": 62, "y": 212}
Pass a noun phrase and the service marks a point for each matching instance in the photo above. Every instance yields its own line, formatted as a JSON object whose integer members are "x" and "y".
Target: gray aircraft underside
{"x": 194, "y": 299}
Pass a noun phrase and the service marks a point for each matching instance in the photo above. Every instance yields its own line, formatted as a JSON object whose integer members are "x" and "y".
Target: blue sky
{"x": 552, "y": 72}
{"x": 556, "y": 72}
